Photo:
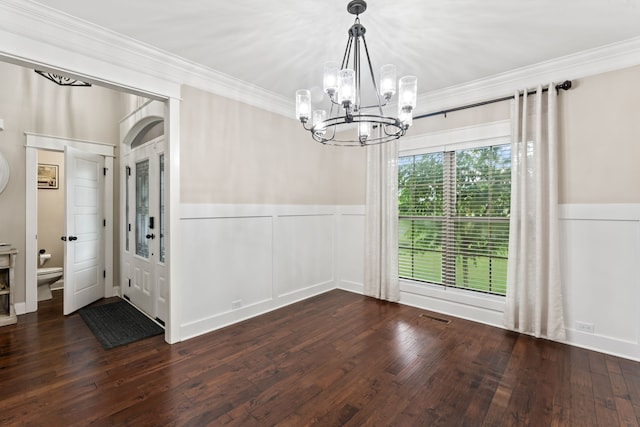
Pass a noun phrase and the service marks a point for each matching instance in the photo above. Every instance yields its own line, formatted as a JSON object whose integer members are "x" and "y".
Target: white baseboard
{"x": 354, "y": 287}
{"x": 221, "y": 320}
{"x": 603, "y": 344}
{"x": 20, "y": 308}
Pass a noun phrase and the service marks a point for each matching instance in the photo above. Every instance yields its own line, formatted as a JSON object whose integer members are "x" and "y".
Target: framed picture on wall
{"x": 47, "y": 176}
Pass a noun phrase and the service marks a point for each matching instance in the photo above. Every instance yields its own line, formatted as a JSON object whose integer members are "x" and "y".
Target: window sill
{"x": 458, "y": 296}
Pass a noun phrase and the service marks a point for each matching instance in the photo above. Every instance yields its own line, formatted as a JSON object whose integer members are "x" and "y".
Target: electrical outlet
{"x": 584, "y": 326}
{"x": 236, "y": 304}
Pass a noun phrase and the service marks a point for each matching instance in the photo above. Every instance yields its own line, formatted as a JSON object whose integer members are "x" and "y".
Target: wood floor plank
{"x": 605, "y": 401}
{"x": 336, "y": 359}
{"x": 626, "y": 412}
{"x": 582, "y": 399}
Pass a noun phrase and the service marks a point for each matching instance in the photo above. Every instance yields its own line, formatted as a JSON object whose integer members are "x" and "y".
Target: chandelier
{"x": 348, "y": 122}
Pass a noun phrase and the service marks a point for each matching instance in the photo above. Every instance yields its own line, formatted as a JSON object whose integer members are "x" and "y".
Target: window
{"x": 150, "y": 132}
{"x": 142, "y": 208}
{"x": 454, "y": 217}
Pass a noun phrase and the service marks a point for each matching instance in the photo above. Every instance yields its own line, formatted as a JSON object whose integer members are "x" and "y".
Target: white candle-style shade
{"x": 330, "y": 78}
{"x": 347, "y": 87}
{"x": 408, "y": 93}
{"x": 303, "y": 104}
{"x": 364, "y": 130}
{"x": 319, "y": 116}
{"x": 387, "y": 81}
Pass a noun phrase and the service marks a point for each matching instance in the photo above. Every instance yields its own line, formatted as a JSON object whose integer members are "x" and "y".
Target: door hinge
{"x": 104, "y": 171}
{"x": 104, "y": 273}
{"x": 128, "y": 169}
{"x": 129, "y": 226}
{"x": 129, "y": 282}
{"x": 126, "y": 297}
{"x": 104, "y": 222}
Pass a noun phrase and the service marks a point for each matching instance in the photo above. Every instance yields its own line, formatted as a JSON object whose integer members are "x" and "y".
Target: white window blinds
{"x": 454, "y": 217}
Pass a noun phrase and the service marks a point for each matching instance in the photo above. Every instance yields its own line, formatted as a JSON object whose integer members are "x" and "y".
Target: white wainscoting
{"x": 351, "y": 248}
{"x": 244, "y": 260}
{"x": 600, "y": 250}
{"x": 240, "y": 261}
{"x": 304, "y": 251}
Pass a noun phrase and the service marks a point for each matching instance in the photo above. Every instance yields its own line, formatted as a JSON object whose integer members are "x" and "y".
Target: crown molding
{"x": 599, "y": 60}
{"x": 77, "y": 37}
{"x": 65, "y": 42}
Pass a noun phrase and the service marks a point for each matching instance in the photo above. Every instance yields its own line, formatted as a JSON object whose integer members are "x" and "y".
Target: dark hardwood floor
{"x": 336, "y": 359}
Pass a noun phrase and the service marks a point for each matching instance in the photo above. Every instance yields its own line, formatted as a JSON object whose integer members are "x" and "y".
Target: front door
{"x": 84, "y": 229}
{"x": 144, "y": 264}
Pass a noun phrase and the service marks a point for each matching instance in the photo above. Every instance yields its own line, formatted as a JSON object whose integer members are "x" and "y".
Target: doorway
{"x": 144, "y": 277}
{"x": 88, "y": 256}
{"x": 144, "y": 258}
{"x": 138, "y": 75}
{"x": 71, "y": 219}
{"x": 51, "y": 191}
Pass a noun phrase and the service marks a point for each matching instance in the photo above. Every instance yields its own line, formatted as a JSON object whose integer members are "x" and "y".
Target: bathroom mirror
{"x": 4, "y": 172}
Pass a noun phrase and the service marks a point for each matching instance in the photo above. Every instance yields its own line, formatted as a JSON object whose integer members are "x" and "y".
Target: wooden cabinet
{"x": 7, "y": 264}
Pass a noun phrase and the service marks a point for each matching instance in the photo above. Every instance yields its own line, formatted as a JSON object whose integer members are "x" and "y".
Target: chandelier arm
{"x": 384, "y": 104}
{"x": 373, "y": 79}
{"x": 321, "y": 136}
{"x": 333, "y": 134}
{"x": 356, "y": 66}
{"x": 333, "y": 105}
{"x": 347, "y": 52}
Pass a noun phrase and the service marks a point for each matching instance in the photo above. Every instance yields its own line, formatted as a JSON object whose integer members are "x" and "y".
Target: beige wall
{"x": 30, "y": 103}
{"x": 600, "y": 139}
{"x": 599, "y": 136}
{"x": 272, "y": 160}
{"x": 235, "y": 153}
{"x": 51, "y": 212}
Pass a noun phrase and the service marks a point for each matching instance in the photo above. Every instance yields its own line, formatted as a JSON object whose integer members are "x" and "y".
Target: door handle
{"x": 63, "y": 238}
{"x": 150, "y": 236}
{"x": 72, "y": 238}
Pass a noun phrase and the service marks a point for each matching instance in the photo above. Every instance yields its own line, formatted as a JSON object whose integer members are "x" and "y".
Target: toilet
{"x": 49, "y": 275}
{"x": 46, "y": 277}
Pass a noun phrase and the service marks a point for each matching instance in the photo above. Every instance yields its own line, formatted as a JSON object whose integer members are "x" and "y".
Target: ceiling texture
{"x": 281, "y": 45}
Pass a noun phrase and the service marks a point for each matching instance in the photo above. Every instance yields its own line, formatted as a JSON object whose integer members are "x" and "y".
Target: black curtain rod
{"x": 565, "y": 85}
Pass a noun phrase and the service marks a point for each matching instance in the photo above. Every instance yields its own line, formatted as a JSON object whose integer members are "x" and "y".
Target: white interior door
{"x": 84, "y": 229}
{"x": 144, "y": 265}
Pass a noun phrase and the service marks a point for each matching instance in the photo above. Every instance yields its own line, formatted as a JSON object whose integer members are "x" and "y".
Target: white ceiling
{"x": 281, "y": 45}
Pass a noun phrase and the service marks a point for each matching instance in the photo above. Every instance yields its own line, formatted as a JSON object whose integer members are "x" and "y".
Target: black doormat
{"x": 118, "y": 323}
